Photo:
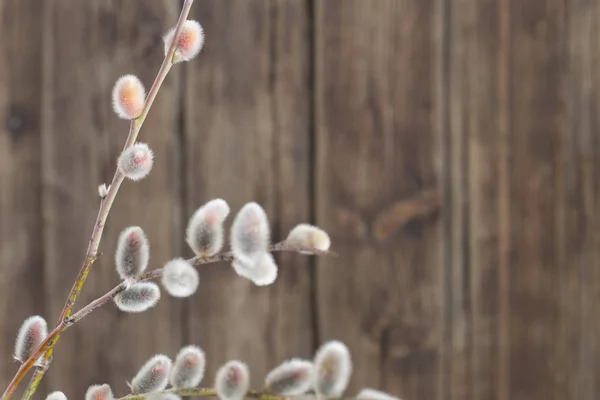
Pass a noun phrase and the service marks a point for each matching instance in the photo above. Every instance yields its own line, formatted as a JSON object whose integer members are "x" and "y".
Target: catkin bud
{"x": 180, "y": 278}
{"x": 204, "y": 232}
{"x": 188, "y": 368}
{"x": 138, "y": 297}
{"x": 31, "y": 334}
{"x": 191, "y": 41}
{"x": 232, "y": 381}
{"x": 153, "y": 376}
{"x": 309, "y": 236}
{"x": 136, "y": 161}
{"x": 290, "y": 378}
{"x": 133, "y": 253}
{"x": 58, "y": 395}
{"x": 332, "y": 369}
{"x": 262, "y": 269}
{"x": 128, "y": 97}
{"x": 372, "y": 394}
{"x": 102, "y": 190}
{"x": 250, "y": 232}
{"x": 99, "y": 392}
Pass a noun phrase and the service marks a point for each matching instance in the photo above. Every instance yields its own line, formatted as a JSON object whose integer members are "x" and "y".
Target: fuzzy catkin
{"x": 332, "y": 369}
{"x": 309, "y": 236}
{"x": 290, "y": 378}
{"x": 136, "y": 162}
{"x": 261, "y": 269}
{"x": 372, "y": 394}
{"x": 180, "y": 278}
{"x": 133, "y": 253}
{"x": 204, "y": 232}
{"x": 128, "y": 97}
{"x": 58, "y": 395}
{"x": 188, "y": 368}
{"x": 250, "y": 233}
{"x": 138, "y": 297}
{"x": 152, "y": 376}
{"x": 31, "y": 334}
{"x": 99, "y": 392}
{"x": 232, "y": 381}
{"x": 191, "y": 41}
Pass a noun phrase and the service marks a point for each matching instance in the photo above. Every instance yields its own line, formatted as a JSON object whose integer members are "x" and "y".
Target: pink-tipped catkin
{"x": 332, "y": 369}
{"x": 309, "y": 236}
{"x": 128, "y": 97}
{"x": 372, "y": 394}
{"x": 232, "y": 381}
{"x": 188, "y": 368}
{"x": 133, "y": 253}
{"x": 31, "y": 334}
{"x": 99, "y": 392}
{"x": 58, "y": 395}
{"x": 204, "y": 233}
{"x": 290, "y": 378}
{"x": 136, "y": 161}
{"x": 153, "y": 376}
{"x": 138, "y": 297}
{"x": 262, "y": 269}
{"x": 191, "y": 41}
{"x": 250, "y": 232}
{"x": 180, "y": 278}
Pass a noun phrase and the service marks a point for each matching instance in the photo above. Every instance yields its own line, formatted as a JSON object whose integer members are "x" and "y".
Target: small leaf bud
{"x": 188, "y": 368}
{"x": 204, "y": 232}
{"x": 180, "y": 278}
{"x": 332, "y": 369}
{"x": 153, "y": 376}
{"x": 133, "y": 253}
{"x": 136, "y": 161}
{"x": 102, "y": 190}
{"x": 99, "y": 392}
{"x": 250, "y": 232}
{"x": 138, "y": 297}
{"x": 309, "y": 236}
{"x": 191, "y": 41}
{"x": 262, "y": 269}
{"x": 128, "y": 97}
{"x": 232, "y": 381}
{"x": 372, "y": 394}
{"x": 58, "y": 395}
{"x": 31, "y": 334}
{"x": 290, "y": 378}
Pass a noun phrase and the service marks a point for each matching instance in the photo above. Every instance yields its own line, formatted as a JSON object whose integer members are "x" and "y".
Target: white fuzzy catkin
{"x": 153, "y": 376}
{"x": 58, "y": 395}
{"x": 180, "y": 278}
{"x": 99, "y": 392}
{"x": 191, "y": 41}
{"x": 188, "y": 368}
{"x": 309, "y": 236}
{"x": 332, "y": 369}
{"x": 133, "y": 253}
{"x": 136, "y": 161}
{"x": 204, "y": 233}
{"x": 102, "y": 190}
{"x": 250, "y": 232}
{"x": 290, "y": 378}
{"x": 128, "y": 97}
{"x": 372, "y": 394}
{"x": 138, "y": 297}
{"x": 31, "y": 334}
{"x": 232, "y": 381}
{"x": 262, "y": 269}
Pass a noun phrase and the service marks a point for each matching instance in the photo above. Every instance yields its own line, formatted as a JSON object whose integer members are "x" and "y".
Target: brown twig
{"x": 105, "y": 206}
{"x": 208, "y": 392}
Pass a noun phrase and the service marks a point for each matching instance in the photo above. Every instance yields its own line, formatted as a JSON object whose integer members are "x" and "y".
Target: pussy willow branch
{"x": 105, "y": 206}
{"x": 207, "y": 392}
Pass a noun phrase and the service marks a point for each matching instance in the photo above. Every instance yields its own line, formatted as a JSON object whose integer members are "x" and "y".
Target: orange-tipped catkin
{"x": 290, "y": 378}
{"x": 262, "y": 269}
{"x": 136, "y": 161}
{"x": 309, "y": 236}
{"x": 191, "y": 41}
{"x": 232, "y": 381}
{"x": 58, "y": 395}
{"x": 250, "y": 233}
{"x": 133, "y": 253}
{"x": 372, "y": 394}
{"x": 138, "y": 297}
{"x": 153, "y": 376}
{"x": 31, "y": 334}
{"x": 180, "y": 278}
{"x": 188, "y": 368}
{"x": 332, "y": 369}
{"x": 128, "y": 97}
{"x": 204, "y": 233}
{"x": 99, "y": 392}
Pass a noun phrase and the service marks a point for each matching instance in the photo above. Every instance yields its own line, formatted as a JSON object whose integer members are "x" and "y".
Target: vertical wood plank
{"x": 88, "y": 46}
{"x": 247, "y": 139}
{"x": 377, "y": 71}
{"x": 21, "y": 251}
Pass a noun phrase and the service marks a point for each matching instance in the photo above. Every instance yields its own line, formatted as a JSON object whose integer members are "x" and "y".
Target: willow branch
{"x": 209, "y": 392}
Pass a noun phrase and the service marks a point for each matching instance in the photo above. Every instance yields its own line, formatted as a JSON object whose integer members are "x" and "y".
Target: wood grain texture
{"x": 88, "y": 46}
{"x": 377, "y": 67}
{"x": 21, "y": 247}
{"x": 247, "y": 139}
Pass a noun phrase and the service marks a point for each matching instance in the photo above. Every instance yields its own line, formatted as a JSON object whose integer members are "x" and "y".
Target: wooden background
{"x": 450, "y": 147}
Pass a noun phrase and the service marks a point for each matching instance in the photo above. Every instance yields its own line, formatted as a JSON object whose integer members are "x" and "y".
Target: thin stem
{"x": 209, "y": 392}
{"x": 105, "y": 206}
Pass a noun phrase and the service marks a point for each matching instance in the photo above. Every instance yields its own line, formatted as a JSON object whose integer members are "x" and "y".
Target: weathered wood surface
{"x": 451, "y": 148}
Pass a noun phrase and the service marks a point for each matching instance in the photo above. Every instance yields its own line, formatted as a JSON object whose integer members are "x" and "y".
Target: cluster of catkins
{"x": 326, "y": 376}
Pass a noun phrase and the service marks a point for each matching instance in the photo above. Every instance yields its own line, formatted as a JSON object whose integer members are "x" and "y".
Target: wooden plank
{"x": 377, "y": 129}
{"x": 88, "y": 46}
{"x": 21, "y": 252}
{"x": 247, "y": 139}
